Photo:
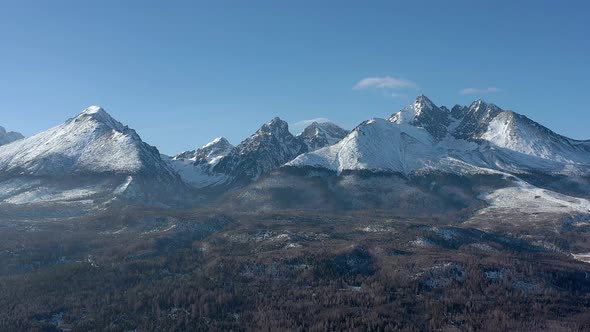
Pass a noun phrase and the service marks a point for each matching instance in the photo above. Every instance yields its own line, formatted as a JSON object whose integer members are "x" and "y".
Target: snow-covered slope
{"x": 382, "y": 145}
{"x": 104, "y": 157}
{"x": 92, "y": 142}
{"x": 209, "y": 154}
{"x": 196, "y": 167}
{"x": 220, "y": 163}
{"x": 268, "y": 148}
{"x": 94, "y": 158}
{"x": 319, "y": 135}
{"x": 9, "y": 136}
{"x": 423, "y": 113}
{"x": 526, "y": 198}
{"x": 517, "y": 133}
{"x": 478, "y": 138}
{"x": 512, "y": 142}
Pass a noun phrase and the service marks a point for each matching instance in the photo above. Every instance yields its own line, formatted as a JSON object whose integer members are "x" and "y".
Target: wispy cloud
{"x": 385, "y": 82}
{"x": 299, "y": 126}
{"x": 305, "y": 123}
{"x": 475, "y": 91}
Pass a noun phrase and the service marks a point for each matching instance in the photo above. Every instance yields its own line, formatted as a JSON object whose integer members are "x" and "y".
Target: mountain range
{"x": 480, "y": 137}
{"x": 424, "y": 156}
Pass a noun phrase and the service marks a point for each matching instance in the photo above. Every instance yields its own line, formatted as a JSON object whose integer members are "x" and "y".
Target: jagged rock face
{"x": 487, "y": 123}
{"x": 458, "y": 112}
{"x": 425, "y": 114}
{"x": 478, "y": 138}
{"x": 9, "y": 136}
{"x": 93, "y": 157}
{"x": 474, "y": 120}
{"x": 270, "y": 147}
{"x": 319, "y": 135}
{"x": 196, "y": 167}
{"x": 210, "y": 154}
{"x": 379, "y": 145}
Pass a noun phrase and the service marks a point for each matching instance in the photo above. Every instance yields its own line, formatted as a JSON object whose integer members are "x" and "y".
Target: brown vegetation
{"x": 288, "y": 271}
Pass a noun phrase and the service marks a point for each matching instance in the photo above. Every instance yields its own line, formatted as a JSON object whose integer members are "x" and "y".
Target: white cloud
{"x": 298, "y": 127}
{"x": 305, "y": 123}
{"x": 474, "y": 91}
{"x": 386, "y": 82}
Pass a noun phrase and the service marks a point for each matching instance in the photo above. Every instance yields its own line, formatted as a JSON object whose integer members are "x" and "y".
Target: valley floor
{"x": 293, "y": 270}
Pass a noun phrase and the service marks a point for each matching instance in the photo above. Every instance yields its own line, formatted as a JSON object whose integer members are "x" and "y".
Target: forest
{"x": 288, "y": 271}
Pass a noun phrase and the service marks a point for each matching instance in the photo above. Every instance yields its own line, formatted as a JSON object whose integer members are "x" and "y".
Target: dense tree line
{"x": 242, "y": 278}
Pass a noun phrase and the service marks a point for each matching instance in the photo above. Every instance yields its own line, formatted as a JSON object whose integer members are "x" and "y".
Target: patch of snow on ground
{"x": 50, "y": 195}
{"x": 197, "y": 176}
{"x": 582, "y": 257}
{"x": 421, "y": 242}
{"x": 13, "y": 186}
{"x": 530, "y": 199}
{"x": 375, "y": 229}
{"x": 292, "y": 246}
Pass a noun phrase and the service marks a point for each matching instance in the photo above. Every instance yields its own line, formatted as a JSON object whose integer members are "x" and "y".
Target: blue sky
{"x": 184, "y": 72}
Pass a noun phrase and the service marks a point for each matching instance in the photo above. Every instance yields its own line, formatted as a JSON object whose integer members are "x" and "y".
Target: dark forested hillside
{"x": 153, "y": 271}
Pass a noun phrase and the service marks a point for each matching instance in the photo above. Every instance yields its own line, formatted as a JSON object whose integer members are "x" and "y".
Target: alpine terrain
{"x": 275, "y": 166}
{"x": 90, "y": 159}
{"x": 9, "y": 136}
{"x": 412, "y": 160}
{"x": 319, "y": 135}
{"x": 435, "y": 218}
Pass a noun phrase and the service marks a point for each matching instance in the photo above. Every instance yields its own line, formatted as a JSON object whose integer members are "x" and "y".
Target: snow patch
{"x": 526, "y": 198}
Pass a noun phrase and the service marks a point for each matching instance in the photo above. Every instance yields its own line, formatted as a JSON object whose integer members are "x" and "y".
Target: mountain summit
{"x": 423, "y": 136}
{"x": 425, "y": 114}
{"x": 196, "y": 167}
{"x": 91, "y": 142}
{"x": 100, "y": 153}
{"x": 268, "y": 148}
{"x": 271, "y": 146}
{"x": 95, "y": 159}
{"x": 9, "y": 136}
{"x": 321, "y": 134}
{"x": 209, "y": 153}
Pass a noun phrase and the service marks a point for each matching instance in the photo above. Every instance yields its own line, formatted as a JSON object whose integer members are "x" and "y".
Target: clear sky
{"x": 184, "y": 72}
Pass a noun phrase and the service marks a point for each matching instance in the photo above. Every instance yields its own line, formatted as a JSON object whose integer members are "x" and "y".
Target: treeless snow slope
{"x": 91, "y": 142}
{"x": 381, "y": 145}
{"x": 524, "y": 197}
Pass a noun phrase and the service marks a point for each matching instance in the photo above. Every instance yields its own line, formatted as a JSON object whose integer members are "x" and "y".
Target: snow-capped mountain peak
{"x": 93, "y": 110}
{"x": 473, "y": 120}
{"x": 209, "y": 153}
{"x": 99, "y": 115}
{"x": 482, "y": 106}
{"x": 378, "y": 145}
{"x": 90, "y": 156}
{"x": 480, "y": 136}
{"x": 196, "y": 167}
{"x": 413, "y": 111}
{"x": 269, "y": 147}
{"x": 219, "y": 140}
{"x": 425, "y": 114}
{"x": 90, "y": 142}
{"x": 318, "y": 135}
{"x": 219, "y": 162}
{"x": 274, "y": 127}
{"x": 213, "y": 151}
